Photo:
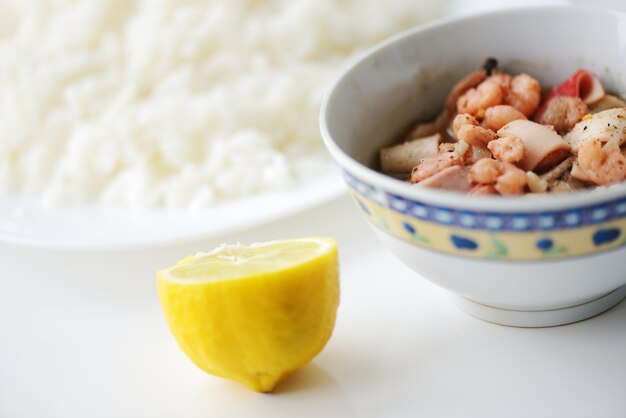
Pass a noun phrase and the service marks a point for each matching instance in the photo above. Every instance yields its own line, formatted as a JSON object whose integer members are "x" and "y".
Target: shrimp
{"x": 512, "y": 182}
{"x": 590, "y": 155}
{"x": 502, "y": 79}
{"x": 482, "y": 189}
{"x": 485, "y": 171}
{"x": 447, "y": 147}
{"x": 470, "y": 152}
{"x": 476, "y": 135}
{"x": 524, "y": 95}
{"x": 498, "y": 116}
{"x": 433, "y": 165}
{"x": 466, "y": 128}
{"x": 486, "y": 94}
{"x": 504, "y": 178}
{"x": 462, "y": 119}
{"x": 508, "y": 148}
{"x": 598, "y": 164}
{"x": 468, "y": 82}
{"x": 562, "y": 112}
{"x": 462, "y": 148}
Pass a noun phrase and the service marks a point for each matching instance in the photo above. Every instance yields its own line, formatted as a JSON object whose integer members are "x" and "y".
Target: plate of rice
{"x": 135, "y": 123}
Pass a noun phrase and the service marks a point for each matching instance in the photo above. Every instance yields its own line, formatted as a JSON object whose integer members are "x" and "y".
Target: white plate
{"x": 26, "y": 222}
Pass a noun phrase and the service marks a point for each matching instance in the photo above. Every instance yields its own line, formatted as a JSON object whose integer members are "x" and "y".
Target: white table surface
{"x": 82, "y": 335}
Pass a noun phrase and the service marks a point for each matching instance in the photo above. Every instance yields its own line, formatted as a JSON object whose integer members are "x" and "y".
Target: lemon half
{"x": 254, "y": 313}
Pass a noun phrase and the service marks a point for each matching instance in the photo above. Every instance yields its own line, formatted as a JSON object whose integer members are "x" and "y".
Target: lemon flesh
{"x": 254, "y": 313}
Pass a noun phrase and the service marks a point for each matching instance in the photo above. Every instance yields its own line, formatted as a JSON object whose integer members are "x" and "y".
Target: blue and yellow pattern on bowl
{"x": 490, "y": 235}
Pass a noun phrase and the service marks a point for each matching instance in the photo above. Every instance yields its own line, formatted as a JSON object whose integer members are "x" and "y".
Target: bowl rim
{"x": 452, "y": 199}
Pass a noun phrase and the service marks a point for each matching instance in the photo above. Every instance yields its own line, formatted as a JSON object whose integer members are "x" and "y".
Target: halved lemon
{"x": 254, "y": 313}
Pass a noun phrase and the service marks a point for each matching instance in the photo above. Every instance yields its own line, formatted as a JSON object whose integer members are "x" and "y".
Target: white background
{"x": 82, "y": 335}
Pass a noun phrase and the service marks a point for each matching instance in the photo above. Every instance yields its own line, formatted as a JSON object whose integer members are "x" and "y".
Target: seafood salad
{"x": 498, "y": 134}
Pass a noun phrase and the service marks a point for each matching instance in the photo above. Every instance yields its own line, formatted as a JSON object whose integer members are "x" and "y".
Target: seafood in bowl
{"x": 497, "y": 136}
{"x": 522, "y": 261}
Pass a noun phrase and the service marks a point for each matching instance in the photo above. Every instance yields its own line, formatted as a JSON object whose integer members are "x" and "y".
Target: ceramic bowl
{"x": 537, "y": 260}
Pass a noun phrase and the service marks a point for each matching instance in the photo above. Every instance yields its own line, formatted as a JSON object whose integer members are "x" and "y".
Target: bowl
{"x": 535, "y": 260}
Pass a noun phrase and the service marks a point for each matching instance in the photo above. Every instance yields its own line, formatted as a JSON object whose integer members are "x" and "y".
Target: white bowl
{"x": 527, "y": 261}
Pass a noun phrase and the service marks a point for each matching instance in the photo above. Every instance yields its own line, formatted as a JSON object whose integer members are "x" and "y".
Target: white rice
{"x": 172, "y": 103}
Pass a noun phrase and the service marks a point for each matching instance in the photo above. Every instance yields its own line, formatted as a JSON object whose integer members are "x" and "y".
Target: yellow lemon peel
{"x": 256, "y": 313}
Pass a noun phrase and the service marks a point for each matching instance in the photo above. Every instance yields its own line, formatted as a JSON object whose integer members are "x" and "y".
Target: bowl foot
{"x": 543, "y": 318}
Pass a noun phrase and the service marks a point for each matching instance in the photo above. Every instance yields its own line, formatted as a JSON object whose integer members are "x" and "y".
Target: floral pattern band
{"x": 491, "y": 235}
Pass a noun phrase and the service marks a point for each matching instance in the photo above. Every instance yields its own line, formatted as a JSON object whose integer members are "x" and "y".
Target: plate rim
{"x": 325, "y": 188}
